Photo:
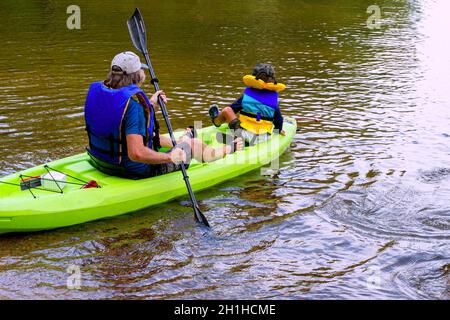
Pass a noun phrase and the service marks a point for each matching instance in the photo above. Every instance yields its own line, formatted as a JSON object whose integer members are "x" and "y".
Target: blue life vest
{"x": 104, "y": 111}
{"x": 258, "y": 110}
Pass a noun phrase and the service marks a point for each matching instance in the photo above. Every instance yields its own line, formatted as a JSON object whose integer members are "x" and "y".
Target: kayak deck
{"x": 24, "y": 211}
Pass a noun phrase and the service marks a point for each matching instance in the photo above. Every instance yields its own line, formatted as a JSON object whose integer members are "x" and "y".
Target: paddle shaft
{"x": 138, "y": 35}
{"x": 154, "y": 81}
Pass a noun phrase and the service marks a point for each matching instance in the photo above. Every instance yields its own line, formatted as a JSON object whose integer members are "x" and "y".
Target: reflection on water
{"x": 360, "y": 207}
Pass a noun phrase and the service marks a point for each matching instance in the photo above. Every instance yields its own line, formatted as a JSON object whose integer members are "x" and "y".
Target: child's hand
{"x": 283, "y": 133}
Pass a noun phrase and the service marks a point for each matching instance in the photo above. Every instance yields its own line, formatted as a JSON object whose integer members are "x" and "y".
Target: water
{"x": 360, "y": 207}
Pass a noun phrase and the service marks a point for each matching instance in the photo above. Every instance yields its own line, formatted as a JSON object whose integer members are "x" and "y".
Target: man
{"x": 124, "y": 133}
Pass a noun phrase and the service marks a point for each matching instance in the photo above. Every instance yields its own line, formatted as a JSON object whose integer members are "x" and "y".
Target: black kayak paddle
{"x": 138, "y": 34}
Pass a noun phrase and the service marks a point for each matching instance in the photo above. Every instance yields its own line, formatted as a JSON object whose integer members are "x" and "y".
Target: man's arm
{"x": 138, "y": 152}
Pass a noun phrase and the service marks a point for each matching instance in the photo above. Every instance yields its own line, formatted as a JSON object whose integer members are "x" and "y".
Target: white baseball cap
{"x": 129, "y": 62}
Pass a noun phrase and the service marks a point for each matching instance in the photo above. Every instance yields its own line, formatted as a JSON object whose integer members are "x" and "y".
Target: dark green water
{"x": 360, "y": 208}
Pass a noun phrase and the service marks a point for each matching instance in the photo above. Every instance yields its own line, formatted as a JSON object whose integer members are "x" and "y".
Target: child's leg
{"x": 227, "y": 115}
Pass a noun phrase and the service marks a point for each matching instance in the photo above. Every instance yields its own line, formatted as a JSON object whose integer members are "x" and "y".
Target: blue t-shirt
{"x": 134, "y": 122}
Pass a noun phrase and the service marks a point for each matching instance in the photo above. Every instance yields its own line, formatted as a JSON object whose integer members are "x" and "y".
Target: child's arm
{"x": 278, "y": 121}
{"x": 237, "y": 105}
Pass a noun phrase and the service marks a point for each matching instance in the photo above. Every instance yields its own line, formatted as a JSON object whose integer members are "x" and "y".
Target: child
{"x": 258, "y": 108}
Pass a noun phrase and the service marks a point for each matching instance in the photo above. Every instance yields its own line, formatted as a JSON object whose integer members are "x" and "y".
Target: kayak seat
{"x": 110, "y": 169}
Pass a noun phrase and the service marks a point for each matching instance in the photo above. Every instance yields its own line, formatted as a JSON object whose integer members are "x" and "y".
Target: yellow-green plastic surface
{"x": 20, "y": 212}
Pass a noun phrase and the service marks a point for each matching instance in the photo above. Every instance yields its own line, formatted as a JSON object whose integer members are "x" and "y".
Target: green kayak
{"x": 26, "y": 207}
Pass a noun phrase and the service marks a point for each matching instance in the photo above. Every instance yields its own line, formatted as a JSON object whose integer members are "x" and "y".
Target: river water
{"x": 360, "y": 208}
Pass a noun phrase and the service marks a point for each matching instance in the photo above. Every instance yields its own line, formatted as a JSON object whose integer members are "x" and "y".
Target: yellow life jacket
{"x": 251, "y": 81}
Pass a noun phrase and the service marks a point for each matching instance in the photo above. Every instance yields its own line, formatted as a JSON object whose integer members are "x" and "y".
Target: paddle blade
{"x": 200, "y": 217}
{"x": 138, "y": 34}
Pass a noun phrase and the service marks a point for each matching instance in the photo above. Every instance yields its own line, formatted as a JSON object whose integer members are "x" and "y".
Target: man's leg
{"x": 204, "y": 153}
{"x": 194, "y": 148}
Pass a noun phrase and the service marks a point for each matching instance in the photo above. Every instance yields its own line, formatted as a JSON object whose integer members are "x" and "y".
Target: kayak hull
{"x": 20, "y": 211}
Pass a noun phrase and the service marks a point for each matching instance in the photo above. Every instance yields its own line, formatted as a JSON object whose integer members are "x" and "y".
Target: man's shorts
{"x": 164, "y": 168}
